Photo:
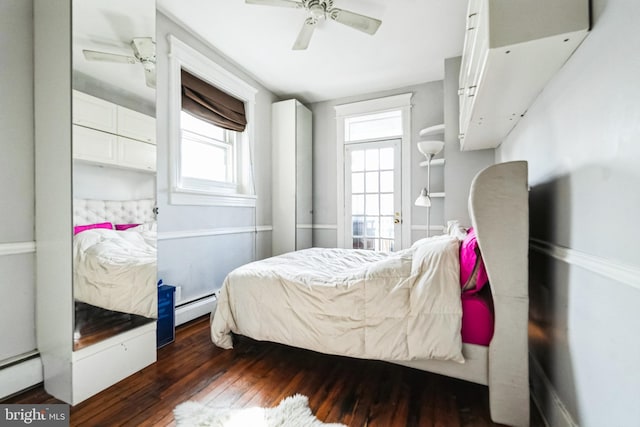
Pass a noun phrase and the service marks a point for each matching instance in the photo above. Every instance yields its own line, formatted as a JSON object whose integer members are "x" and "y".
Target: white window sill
{"x": 181, "y": 197}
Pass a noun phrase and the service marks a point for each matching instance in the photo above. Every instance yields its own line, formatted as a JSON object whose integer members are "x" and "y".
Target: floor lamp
{"x": 428, "y": 149}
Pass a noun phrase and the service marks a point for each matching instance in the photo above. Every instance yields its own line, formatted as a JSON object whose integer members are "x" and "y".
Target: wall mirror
{"x": 114, "y": 163}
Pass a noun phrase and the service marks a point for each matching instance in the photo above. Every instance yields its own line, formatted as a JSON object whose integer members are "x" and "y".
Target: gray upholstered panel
{"x": 499, "y": 210}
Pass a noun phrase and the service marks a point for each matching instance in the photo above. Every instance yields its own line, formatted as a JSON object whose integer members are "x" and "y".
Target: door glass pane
{"x": 372, "y": 228}
{"x": 357, "y": 182}
{"x": 386, "y": 158}
{"x": 357, "y": 205}
{"x": 386, "y": 245}
{"x": 386, "y": 227}
{"x": 371, "y": 161}
{"x": 358, "y": 243}
{"x": 386, "y": 204}
{"x": 357, "y": 161}
{"x": 372, "y": 182}
{"x": 357, "y": 226}
{"x": 386, "y": 182}
{"x": 372, "y": 204}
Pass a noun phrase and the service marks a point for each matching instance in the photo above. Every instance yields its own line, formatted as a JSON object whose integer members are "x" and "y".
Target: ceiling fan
{"x": 144, "y": 52}
{"x": 322, "y": 9}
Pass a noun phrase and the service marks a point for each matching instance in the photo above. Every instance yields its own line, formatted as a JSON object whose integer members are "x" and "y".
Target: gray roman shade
{"x": 211, "y": 104}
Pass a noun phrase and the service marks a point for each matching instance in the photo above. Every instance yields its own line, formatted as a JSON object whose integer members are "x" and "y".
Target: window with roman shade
{"x": 211, "y": 131}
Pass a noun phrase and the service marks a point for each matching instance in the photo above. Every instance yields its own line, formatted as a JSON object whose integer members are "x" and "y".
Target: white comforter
{"x": 397, "y": 306}
{"x": 116, "y": 270}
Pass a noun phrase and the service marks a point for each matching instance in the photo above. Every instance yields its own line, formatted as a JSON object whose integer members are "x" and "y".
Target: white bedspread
{"x": 389, "y": 306}
{"x": 116, "y": 270}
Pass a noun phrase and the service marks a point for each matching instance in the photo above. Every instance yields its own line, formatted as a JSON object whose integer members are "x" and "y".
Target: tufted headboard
{"x": 89, "y": 211}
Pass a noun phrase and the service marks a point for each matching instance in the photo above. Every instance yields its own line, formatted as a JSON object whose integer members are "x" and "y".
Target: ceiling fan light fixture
{"x": 323, "y": 9}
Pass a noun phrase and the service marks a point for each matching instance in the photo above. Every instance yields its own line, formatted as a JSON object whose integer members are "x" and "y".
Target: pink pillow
{"x": 80, "y": 228}
{"x": 473, "y": 275}
{"x": 477, "y": 319}
{"x": 122, "y": 227}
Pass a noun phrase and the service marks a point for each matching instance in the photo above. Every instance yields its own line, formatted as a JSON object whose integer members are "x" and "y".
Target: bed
{"x": 115, "y": 255}
{"x": 406, "y": 307}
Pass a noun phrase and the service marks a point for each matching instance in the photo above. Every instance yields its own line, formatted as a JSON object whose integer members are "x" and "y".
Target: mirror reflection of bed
{"x": 114, "y": 256}
{"x": 114, "y": 179}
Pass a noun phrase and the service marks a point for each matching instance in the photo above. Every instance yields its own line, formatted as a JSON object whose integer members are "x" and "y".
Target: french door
{"x": 373, "y": 195}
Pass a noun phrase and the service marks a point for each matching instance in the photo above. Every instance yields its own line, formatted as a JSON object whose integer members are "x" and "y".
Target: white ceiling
{"x": 409, "y": 48}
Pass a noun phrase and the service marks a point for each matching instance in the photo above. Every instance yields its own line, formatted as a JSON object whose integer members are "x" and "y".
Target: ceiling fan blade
{"x": 281, "y": 3}
{"x": 362, "y": 23}
{"x": 144, "y": 48}
{"x": 304, "y": 36}
{"x": 93, "y": 55}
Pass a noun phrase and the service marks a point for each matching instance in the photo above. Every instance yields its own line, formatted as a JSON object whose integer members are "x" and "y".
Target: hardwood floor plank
{"x": 351, "y": 391}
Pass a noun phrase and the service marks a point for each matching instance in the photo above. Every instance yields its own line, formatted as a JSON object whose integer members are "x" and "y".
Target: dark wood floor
{"x": 354, "y": 392}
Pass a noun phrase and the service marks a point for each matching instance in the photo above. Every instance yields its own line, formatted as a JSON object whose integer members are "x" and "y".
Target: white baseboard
{"x": 545, "y": 397}
{"x": 20, "y": 376}
{"x": 195, "y": 309}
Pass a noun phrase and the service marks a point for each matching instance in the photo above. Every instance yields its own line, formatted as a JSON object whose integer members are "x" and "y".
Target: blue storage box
{"x": 166, "y": 331}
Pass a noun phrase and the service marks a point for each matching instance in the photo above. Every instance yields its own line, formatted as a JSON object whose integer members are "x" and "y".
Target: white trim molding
{"x": 17, "y": 248}
{"x": 623, "y": 273}
{"x": 207, "y": 232}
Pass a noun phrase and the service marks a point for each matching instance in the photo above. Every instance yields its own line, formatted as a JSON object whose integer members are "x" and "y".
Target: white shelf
{"x": 431, "y": 130}
{"x": 434, "y": 162}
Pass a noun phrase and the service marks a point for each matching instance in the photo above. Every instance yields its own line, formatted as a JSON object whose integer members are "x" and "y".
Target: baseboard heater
{"x": 20, "y": 373}
{"x": 195, "y": 308}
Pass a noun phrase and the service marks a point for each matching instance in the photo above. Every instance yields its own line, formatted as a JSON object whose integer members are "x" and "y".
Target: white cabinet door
{"x": 135, "y": 125}
{"x": 94, "y": 146}
{"x": 94, "y": 113}
{"x": 137, "y": 154}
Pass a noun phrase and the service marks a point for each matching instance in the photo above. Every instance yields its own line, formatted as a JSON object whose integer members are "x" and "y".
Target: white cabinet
{"x": 109, "y": 134}
{"x": 135, "y": 125}
{"x": 292, "y": 177}
{"x": 103, "y": 364}
{"x": 511, "y": 50}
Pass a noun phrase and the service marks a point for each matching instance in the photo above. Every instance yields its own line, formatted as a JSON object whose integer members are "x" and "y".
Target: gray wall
{"x": 17, "y": 283}
{"x": 581, "y": 138}
{"x": 200, "y": 264}
{"x": 427, "y": 110}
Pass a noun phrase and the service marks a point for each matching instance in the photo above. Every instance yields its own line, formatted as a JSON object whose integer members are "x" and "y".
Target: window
{"x": 373, "y": 126}
{"x": 209, "y": 155}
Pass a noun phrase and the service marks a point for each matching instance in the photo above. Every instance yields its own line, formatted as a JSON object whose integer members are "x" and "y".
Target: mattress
{"x": 477, "y": 318}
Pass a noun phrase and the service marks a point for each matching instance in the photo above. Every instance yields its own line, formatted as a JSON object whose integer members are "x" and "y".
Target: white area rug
{"x": 292, "y": 411}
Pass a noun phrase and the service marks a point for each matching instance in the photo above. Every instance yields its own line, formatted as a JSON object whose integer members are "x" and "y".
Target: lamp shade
{"x": 423, "y": 199}
{"x": 430, "y": 148}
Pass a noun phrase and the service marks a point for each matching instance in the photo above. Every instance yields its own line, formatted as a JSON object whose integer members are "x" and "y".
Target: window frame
{"x": 183, "y": 190}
